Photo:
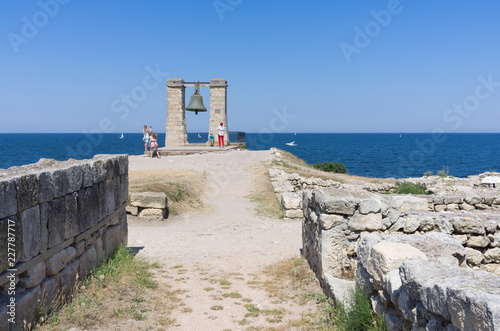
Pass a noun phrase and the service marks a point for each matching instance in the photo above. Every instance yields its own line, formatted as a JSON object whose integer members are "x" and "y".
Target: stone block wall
{"x": 336, "y": 220}
{"x": 416, "y": 284}
{"x": 58, "y": 220}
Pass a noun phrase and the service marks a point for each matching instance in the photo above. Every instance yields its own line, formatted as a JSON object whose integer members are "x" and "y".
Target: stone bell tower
{"x": 218, "y": 107}
{"x": 176, "y": 131}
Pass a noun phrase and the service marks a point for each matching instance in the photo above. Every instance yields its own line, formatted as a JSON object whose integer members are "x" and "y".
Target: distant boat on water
{"x": 199, "y": 135}
{"x": 121, "y": 137}
{"x": 291, "y": 143}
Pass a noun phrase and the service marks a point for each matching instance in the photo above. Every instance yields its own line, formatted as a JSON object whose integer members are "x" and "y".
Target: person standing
{"x": 220, "y": 132}
{"x": 153, "y": 145}
{"x": 211, "y": 138}
{"x": 145, "y": 138}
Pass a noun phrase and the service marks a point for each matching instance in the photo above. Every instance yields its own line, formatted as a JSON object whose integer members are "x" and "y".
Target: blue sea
{"x": 364, "y": 154}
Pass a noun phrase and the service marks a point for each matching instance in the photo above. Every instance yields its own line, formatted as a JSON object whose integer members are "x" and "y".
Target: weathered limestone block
{"x": 407, "y": 202}
{"x": 478, "y": 241}
{"x": 98, "y": 170}
{"x": 123, "y": 189}
{"x": 134, "y": 211}
{"x": 493, "y": 268}
{"x": 411, "y": 224}
{"x": 30, "y": 233}
{"x": 492, "y": 255}
{"x": 462, "y": 238}
{"x": 468, "y": 298}
{"x": 68, "y": 277}
{"x": 33, "y": 276}
{"x": 112, "y": 168}
{"x": 27, "y": 191}
{"x": 444, "y": 225}
{"x": 71, "y": 226}
{"x": 472, "y": 198}
{"x": 439, "y": 208}
{"x": 88, "y": 208}
{"x": 329, "y": 221}
{"x": 452, "y": 207}
{"x": 482, "y": 206}
{"x": 333, "y": 251}
{"x": 74, "y": 175}
{"x": 55, "y": 214}
{"x": 152, "y": 212}
{"x": 87, "y": 173}
{"x": 148, "y": 200}
{"x": 290, "y": 200}
{"x": 491, "y": 226}
{"x": 438, "y": 200}
{"x": 46, "y": 188}
{"x": 293, "y": 213}
{"x": 398, "y": 225}
{"x": 8, "y": 207}
{"x": 338, "y": 289}
{"x": 426, "y": 223}
{"x": 465, "y": 206}
{"x": 387, "y": 256}
{"x": 369, "y": 222}
{"x": 335, "y": 202}
{"x": 452, "y": 199}
{"x": 473, "y": 256}
{"x": 111, "y": 240}
{"x": 58, "y": 261}
{"x": 110, "y": 194}
{"x": 122, "y": 164}
{"x": 372, "y": 205}
{"x": 393, "y": 284}
{"x": 468, "y": 225}
{"x": 123, "y": 228}
{"x": 60, "y": 180}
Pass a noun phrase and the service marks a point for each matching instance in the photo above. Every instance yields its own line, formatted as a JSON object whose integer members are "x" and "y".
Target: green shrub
{"x": 331, "y": 167}
{"x": 357, "y": 314}
{"x": 410, "y": 188}
{"x": 428, "y": 173}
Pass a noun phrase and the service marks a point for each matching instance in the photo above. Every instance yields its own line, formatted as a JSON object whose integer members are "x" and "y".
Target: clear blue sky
{"x": 426, "y": 66}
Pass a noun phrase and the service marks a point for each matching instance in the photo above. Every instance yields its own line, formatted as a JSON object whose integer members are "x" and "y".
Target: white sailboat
{"x": 291, "y": 143}
{"x": 199, "y": 135}
{"x": 121, "y": 137}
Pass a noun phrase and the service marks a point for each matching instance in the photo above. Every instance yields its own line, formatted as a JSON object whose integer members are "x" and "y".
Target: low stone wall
{"x": 450, "y": 194}
{"x": 335, "y": 220}
{"x": 58, "y": 220}
{"x": 148, "y": 204}
{"x": 416, "y": 284}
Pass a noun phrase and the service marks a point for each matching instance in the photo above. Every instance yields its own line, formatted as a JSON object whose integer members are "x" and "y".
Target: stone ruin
{"x": 61, "y": 220}
{"x": 430, "y": 262}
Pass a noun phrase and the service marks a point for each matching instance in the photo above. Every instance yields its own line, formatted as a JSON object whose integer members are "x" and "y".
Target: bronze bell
{"x": 196, "y": 102}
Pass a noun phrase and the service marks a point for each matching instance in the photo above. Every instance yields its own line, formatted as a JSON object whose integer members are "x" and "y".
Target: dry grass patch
{"x": 291, "y": 163}
{"x": 263, "y": 194}
{"x": 125, "y": 289}
{"x": 182, "y": 187}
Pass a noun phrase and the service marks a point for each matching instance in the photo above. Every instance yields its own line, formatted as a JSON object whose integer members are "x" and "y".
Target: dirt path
{"x": 216, "y": 258}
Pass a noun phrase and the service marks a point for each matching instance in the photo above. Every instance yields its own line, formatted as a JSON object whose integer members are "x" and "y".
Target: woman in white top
{"x": 145, "y": 138}
{"x": 220, "y": 132}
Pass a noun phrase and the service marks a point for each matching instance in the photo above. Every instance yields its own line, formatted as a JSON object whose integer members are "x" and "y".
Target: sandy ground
{"x": 229, "y": 242}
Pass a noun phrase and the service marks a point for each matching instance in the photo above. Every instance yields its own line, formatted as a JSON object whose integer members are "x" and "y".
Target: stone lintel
{"x": 218, "y": 82}
{"x": 175, "y": 82}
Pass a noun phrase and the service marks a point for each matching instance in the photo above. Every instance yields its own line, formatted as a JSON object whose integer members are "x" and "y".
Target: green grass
{"x": 360, "y": 315}
{"x": 336, "y": 167}
{"x": 410, "y": 188}
{"x": 234, "y": 295}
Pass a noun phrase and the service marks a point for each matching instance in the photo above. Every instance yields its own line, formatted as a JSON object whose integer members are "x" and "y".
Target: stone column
{"x": 218, "y": 108}
{"x": 176, "y": 132}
